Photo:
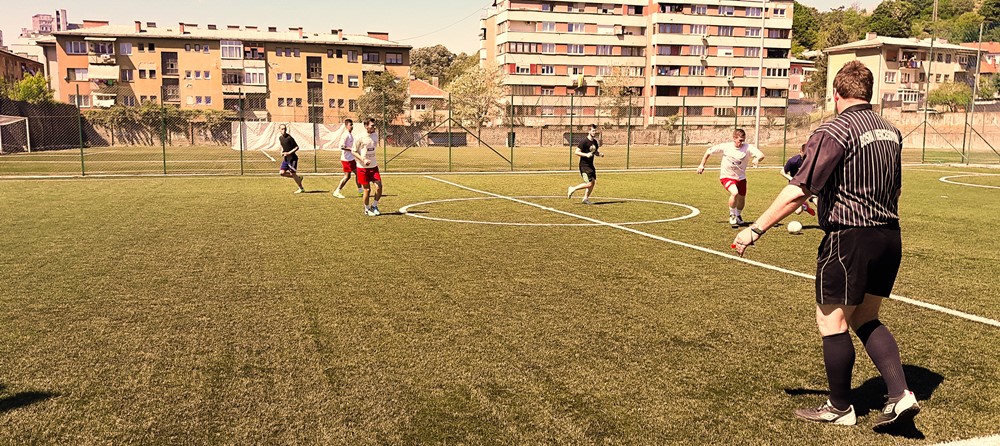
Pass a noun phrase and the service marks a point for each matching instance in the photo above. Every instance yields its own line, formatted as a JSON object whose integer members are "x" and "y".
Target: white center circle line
{"x": 947, "y": 179}
{"x": 407, "y": 210}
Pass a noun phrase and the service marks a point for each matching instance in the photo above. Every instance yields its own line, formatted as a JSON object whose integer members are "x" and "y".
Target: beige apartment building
{"x": 905, "y": 69}
{"x": 706, "y": 59}
{"x": 291, "y": 75}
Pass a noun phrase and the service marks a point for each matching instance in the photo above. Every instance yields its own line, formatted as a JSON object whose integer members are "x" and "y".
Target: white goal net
{"x": 14, "y": 134}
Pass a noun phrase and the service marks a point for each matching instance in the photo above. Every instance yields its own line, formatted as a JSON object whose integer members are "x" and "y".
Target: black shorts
{"x": 854, "y": 261}
{"x": 588, "y": 175}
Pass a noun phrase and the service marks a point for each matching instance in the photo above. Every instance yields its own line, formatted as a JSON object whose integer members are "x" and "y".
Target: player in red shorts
{"x": 364, "y": 151}
{"x": 346, "y": 145}
{"x": 733, "y": 175}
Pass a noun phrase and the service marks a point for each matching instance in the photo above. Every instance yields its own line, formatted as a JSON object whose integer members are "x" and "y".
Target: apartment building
{"x": 706, "y": 59}
{"x": 288, "y": 75}
{"x": 905, "y": 69}
{"x": 799, "y": 73}
{"x": 14, "y": 67}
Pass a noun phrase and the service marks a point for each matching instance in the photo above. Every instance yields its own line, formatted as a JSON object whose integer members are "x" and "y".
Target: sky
{"x": 419, "y": 23}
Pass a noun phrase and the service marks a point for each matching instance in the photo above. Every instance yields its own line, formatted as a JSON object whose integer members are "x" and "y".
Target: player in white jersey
{"x": 346, "y": 145}
{"x": 364, "y": 150}
{"x": 733, "y": 175}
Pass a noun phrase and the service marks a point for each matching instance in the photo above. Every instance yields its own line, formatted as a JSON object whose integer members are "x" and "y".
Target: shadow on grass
{"x": 316, "y": 192}
{"x": 870, "y": 397}
{"x": 22, "y": 399}
{"x": 598, "y": 203}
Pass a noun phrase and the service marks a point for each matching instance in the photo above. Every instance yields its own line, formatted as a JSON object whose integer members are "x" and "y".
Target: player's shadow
{"x": 21, "y": 399}
{"x": 599, "y": 203}
{"x": 316, "y": 192}
{"x": 870, "y": 396}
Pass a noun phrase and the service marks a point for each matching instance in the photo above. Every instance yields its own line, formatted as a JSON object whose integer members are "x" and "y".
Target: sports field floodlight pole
{"x": 79, "y": 123}
{"x": 760, "y": 74}
{"x": 975, "y": 90}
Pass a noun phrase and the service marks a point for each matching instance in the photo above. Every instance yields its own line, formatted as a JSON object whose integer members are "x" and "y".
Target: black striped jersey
{"x": 853, "y": 164}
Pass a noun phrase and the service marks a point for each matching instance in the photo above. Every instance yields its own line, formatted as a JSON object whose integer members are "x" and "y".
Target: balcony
{"x": 171, "y": 93}
{"x": 102, "y": 59}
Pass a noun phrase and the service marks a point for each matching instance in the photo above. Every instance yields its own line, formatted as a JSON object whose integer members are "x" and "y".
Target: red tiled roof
{"x": 988, "y": 47}
{"x": 421, "y": 89}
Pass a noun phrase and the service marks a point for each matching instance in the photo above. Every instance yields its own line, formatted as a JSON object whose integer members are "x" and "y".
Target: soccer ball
{"x": 794, "y": 227}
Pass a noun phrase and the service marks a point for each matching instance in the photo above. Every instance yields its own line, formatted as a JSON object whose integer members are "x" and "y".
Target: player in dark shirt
{"x": 854, "y": 163}
{"x": 290, "y": 161}
{"x": 587, "y": 150}
{"x": 792, "y": 167}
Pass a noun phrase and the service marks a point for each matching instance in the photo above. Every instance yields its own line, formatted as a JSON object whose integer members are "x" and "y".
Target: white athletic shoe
{"x": 586, "y": 201}
{"x": 739, "y": 220}
{"x": 337, "y": 194}
{"x": 828, "y": 414}
{"x": 368, "y": 212}
{"x": 299, "y": 191}
{"x": 375, "y": 210}
{"x": 732, "y": 220}
{"x": 896, "y": 411}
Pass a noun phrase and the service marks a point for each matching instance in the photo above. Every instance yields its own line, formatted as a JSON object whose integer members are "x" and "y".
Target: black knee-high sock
{"x": 838, "y": 356}
{"x": 882, "y": 348}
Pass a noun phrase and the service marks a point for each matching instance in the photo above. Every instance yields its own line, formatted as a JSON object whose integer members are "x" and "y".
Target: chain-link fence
{"x": 447, "y": 134}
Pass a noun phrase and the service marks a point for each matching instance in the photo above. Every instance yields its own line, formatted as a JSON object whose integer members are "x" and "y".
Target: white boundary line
{"x": 405, "y": 210}
{"x": 914, "y": 302}
{"x": 992, "y": 440}
{"x": 947, "y": 179}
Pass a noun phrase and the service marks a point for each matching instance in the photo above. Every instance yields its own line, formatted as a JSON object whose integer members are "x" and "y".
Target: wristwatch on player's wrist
{"x": 760, "y": 232}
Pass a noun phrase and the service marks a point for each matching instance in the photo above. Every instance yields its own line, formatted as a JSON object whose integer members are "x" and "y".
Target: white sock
{"x": 739, "y": 213}
{"x": 375, "y": 203}
{"x": 337, "y": 191}
{"x": 732, "y": 211}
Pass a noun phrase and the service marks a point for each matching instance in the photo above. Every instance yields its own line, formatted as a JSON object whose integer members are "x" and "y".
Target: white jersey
{"x": 346, "y": 142}
{"x": 735, "y": 159}
{"x": 367, "y": 145}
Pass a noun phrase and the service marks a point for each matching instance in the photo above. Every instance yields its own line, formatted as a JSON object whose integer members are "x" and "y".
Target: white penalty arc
{"x": 407, "y": 210}
{"x": 948, "y": 179}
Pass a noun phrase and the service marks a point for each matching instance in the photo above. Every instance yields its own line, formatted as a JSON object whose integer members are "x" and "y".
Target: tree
{"x": 384, "y": 98}
{"x": 951, "y": 94}
{"x": 616, "y": 95}
{"x": 476, "y": 96}
{"x": 462, "y": 63}
{"x": 815, "y": 87}
{"x": 987, "y": 88}
{"x": 431, "y": 61}
{"x": 804, "y": 26}
{"x": 990, "y": 10}
{"x": 892, "y": 18}
{"x": 33, "y": 89}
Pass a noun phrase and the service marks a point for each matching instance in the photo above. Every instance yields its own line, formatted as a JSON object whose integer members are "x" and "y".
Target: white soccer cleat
{"x": 337, "y": 194}
{"x": 732, "y": 220}
{"x": 299, "y": 191}
{"x": 828, "y": 414}
{"x": 897, "y": 411}
{"x": 586, "y": 201}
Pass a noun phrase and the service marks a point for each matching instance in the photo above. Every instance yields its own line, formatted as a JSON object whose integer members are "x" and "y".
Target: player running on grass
{"x": 587, "y": 150}
{"x": 791, "y": 168}
{"x": 364, "y": 150}
{"x": 290, "y": 161}
{"x": 346, "y": 145}
{"x": 733, "y": 175}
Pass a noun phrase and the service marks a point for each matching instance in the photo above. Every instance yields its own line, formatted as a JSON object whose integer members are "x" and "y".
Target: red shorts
{"x": 367, "y": 175}
{"x": 741, "y": 185}
{"x": 349, "y": 166}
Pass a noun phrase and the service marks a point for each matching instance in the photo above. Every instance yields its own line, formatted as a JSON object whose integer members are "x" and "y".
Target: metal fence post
{"x": 571, "y": 132}
{"x": 683, "y": 115}
{"x": 79, "y": 123}
{"x": 450, "y": 106}
{"x": 784, "y": 135}
{"x": 736, "y": 114}
{"x": 163, "y": 130}
{"x": 930, "y": 64}
{"x": 316, "y": 148}
{"x": 385, "y": 133}
{"x": 511, "y": 137}
{"x": 628, "y": 133}
{"x": 240, "y": 129}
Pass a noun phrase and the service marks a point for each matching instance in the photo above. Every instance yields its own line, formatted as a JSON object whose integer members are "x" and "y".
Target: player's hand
{"x": 744, "y": 239}
{"x": 701, "y": 169}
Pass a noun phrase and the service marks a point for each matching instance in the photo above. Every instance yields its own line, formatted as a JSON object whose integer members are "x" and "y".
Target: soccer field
{"x": 207, "y": 310}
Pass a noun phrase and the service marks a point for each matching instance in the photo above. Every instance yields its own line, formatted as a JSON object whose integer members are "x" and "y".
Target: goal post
{"x": 15, "y": 136}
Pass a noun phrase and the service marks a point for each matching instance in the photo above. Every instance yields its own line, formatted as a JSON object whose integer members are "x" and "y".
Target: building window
{"x": 76, "y": 47}
{"x": 636, "y": 51}
{"x": 548, "y": 111}
{"x": 126, "y": 76}
{"x": 723, "y": 91}
{"x": 699, "y": 30}
{"x": 574, "y": 49}
{"x": 367, "y": 57}
{"x": 521, "y": 47}
{"x": 331, "y": 78}
{"x": 340, "y": 78}
{"x": 604, "y": 71}
{"x": 548, "y": 91}
{"x": 333, "y": 103}
{"x": 937, "y": 78}
{"x": 197, "y": 74}
{"x": 696, "y": 91}
{"x": 548, "y": 69}
{"x": 748, "y": 111}
{"x": 142, "y": 74}
{"x": 187, "y": 74}
{"x": 187, "y": 47}
{"x": 520, "y": 69}
{"x": 779, "y": 12}
{"x": 125, "y": 49}
{"x": 298, "y": 77}
{"x": 670, "y": 28}
{"x": 208, "y": 100}
{"x": 352, "y": 105}
{"x": 204, "y": 49}
{"x": 548, "y": 48}
{"x": 724, "y": 71}
{"x": 197, "y": 100}
{"x": 420, "y": 107}
{"x": 726, "y": 31}
{"x": 79, "y": 101}
{"x": 547, "y": 7}
{"x": 231, "y": 49}
{"x": 696, "y": 71}
{"x": 752, "y": 32}
{"x": 352, "y": 81}
{"x": 152, "y": 46}
{"x": 752, "y": 52}
{"x": 574, "y": 70}
{"x": 548, "y": 27}
{"x": 190, "y": 100}
{"x": 753, "y": 12}
{"x": 142, "y": 47}
{"x": 352, "y": 56}
{"x": 281, "y": 102}
{"x": 278, "y": 52}
{"x": 77, "y": 74}
{"x": 394, "y": 58}
{"x": 254, "y": 76}
{"x": 726, "y": 10}
{"x": 782, "y": 72}
{"x": 890, "y": 77}
{"x": 128, "y": 101}
{"x": 698, "y": 50}
{"x": 152, "y": 74}
{"x": 575, "y": 27}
